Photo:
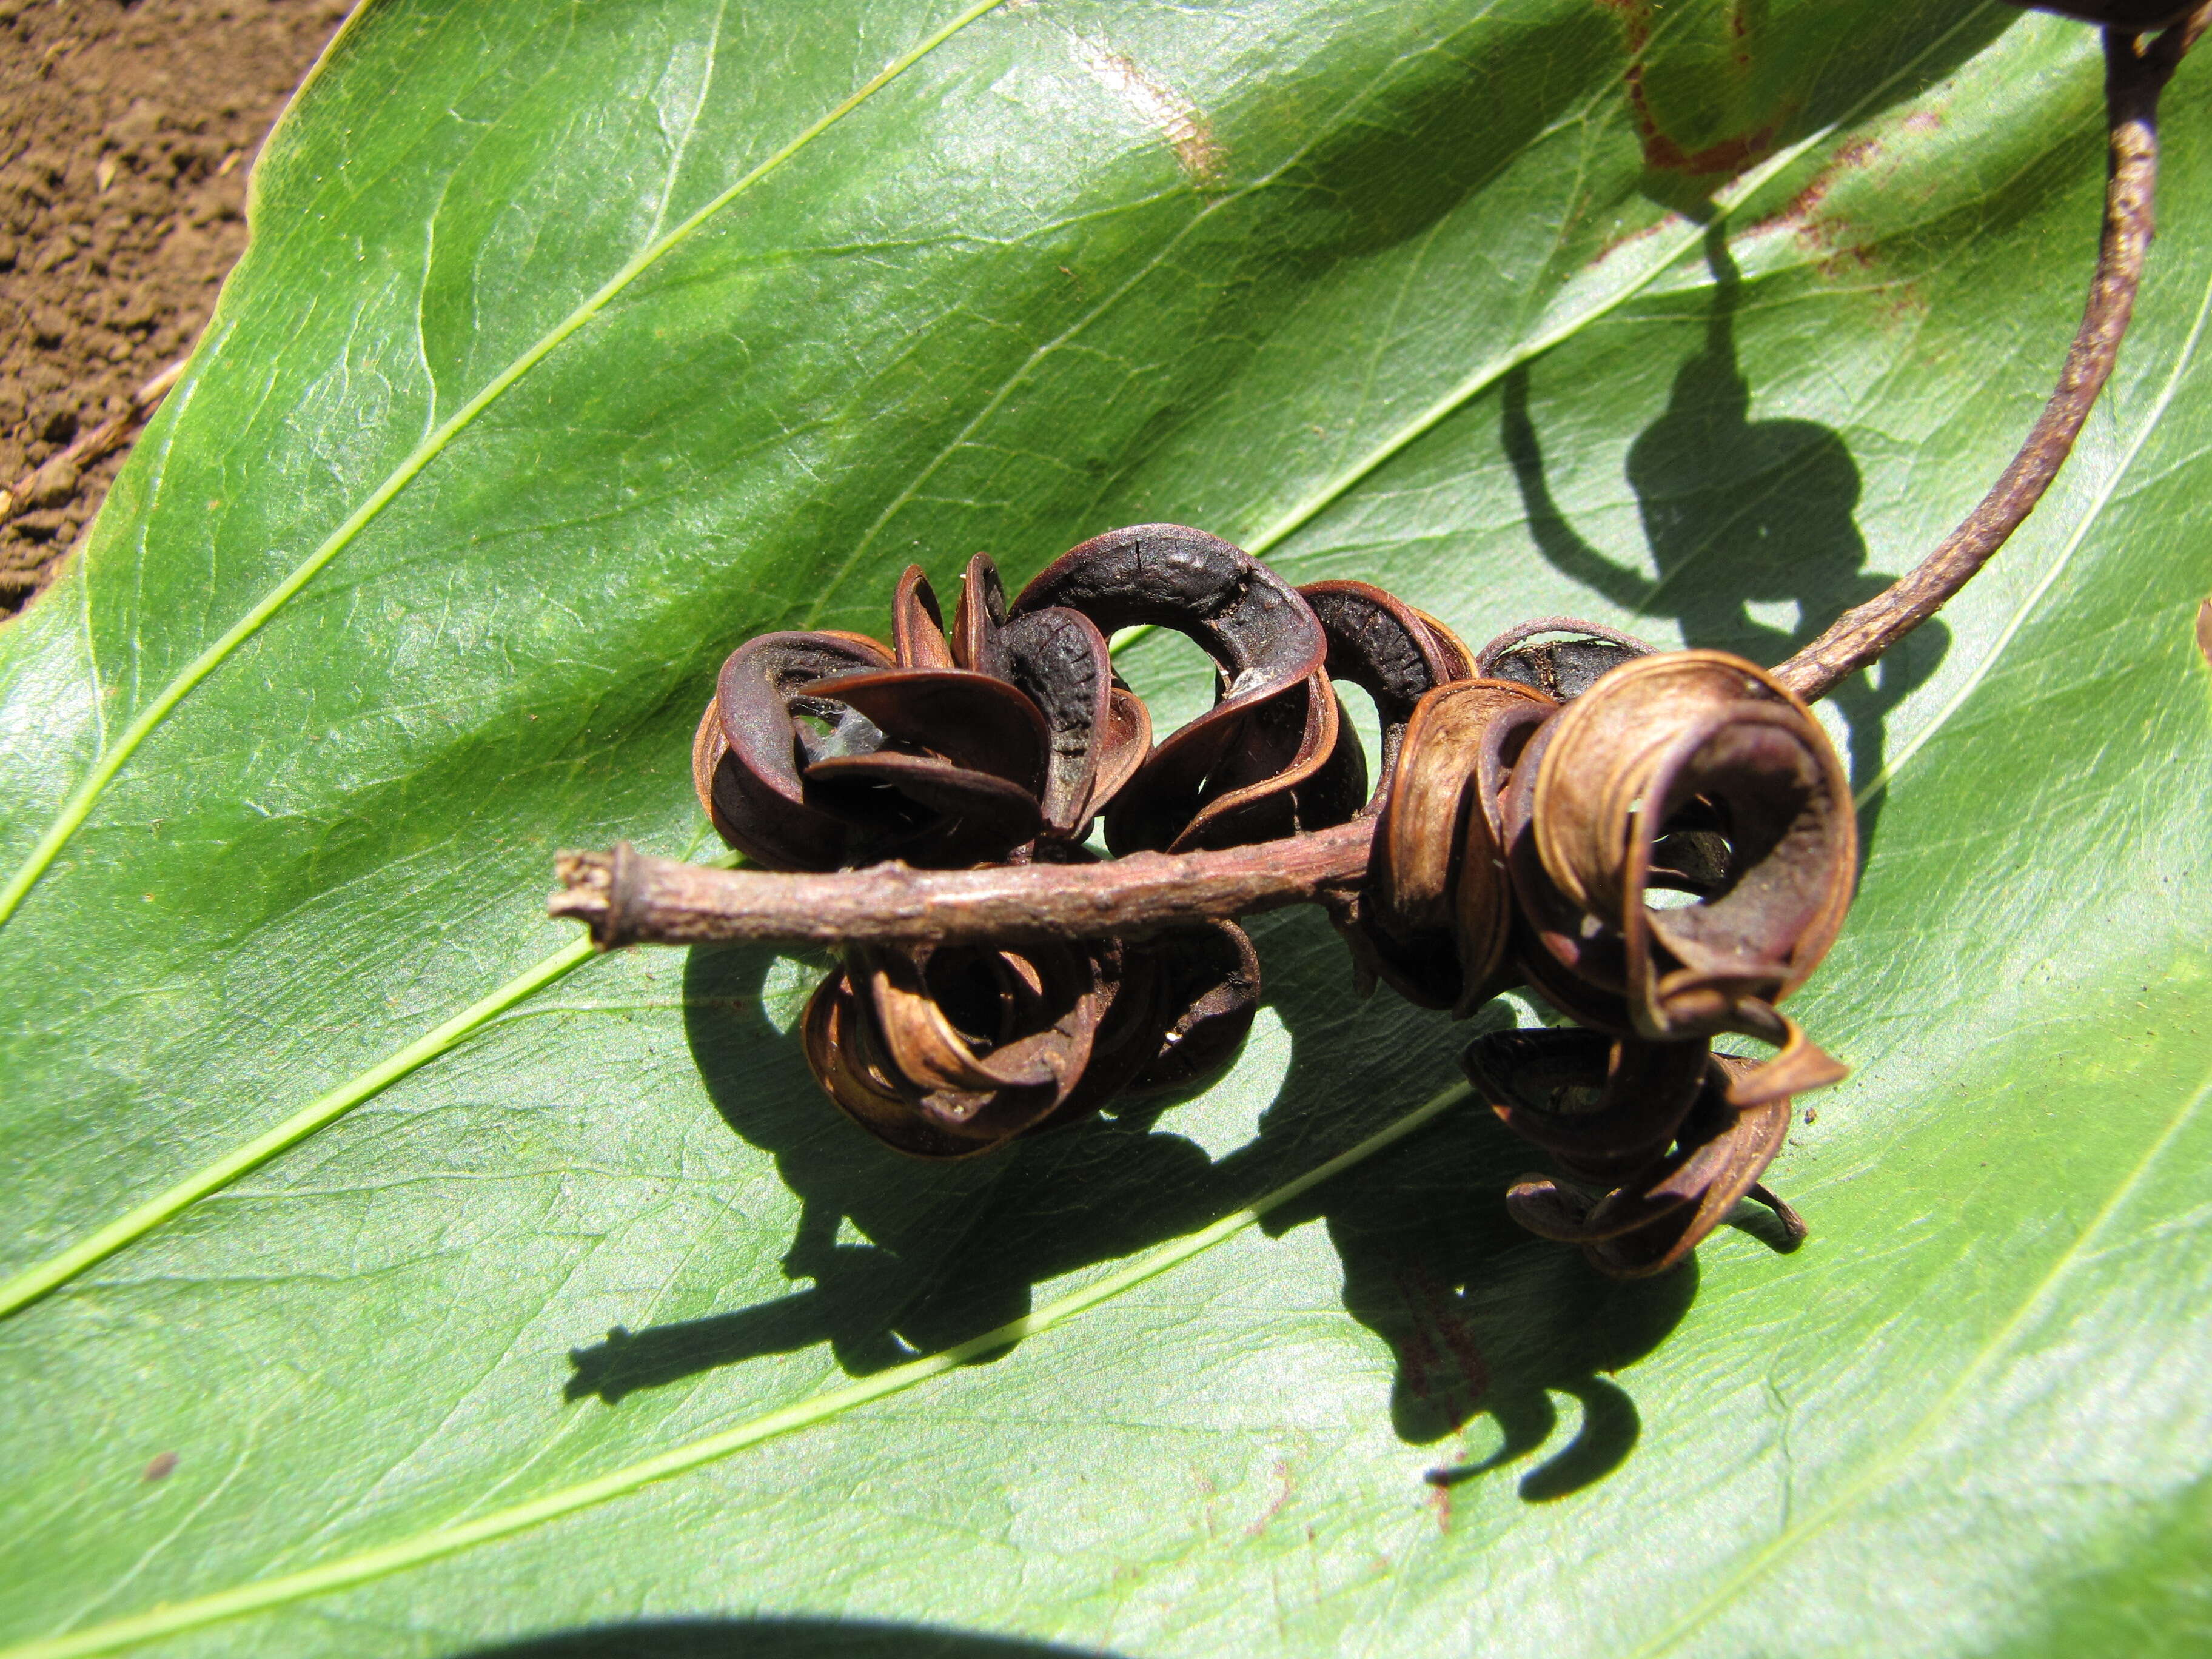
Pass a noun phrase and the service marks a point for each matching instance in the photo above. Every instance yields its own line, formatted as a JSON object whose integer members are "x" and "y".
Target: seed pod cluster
{"x": 1660, "y": 844}
{"x": 1004, "y": 742}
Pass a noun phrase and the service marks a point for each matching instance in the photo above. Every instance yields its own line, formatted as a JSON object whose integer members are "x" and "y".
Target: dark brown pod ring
{"x": 1396, "y": 653}
{"x": 750, "y": 747}
{"x": 1209, "y": 783}
{"x": 1562, "y": 669}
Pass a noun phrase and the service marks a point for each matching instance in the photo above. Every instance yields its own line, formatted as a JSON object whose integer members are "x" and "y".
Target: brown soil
{"x": 126, "y": 132}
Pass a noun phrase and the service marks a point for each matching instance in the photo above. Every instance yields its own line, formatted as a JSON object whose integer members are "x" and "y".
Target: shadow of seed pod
{"x": 2135, "y": 14}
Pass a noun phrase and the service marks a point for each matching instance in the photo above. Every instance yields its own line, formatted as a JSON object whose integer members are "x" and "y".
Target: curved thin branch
{"x": 2136, "y": 69}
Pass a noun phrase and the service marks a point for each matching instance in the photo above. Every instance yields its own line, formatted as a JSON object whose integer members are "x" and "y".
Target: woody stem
{"x": 2136, "y": 69}
{"x": 626, "y": 897}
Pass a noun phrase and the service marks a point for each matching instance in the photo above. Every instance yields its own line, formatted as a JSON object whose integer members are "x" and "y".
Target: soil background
{"x": 126, "y": 133}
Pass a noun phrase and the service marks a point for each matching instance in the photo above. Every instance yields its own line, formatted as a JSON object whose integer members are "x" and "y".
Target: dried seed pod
{"x": 1580, "y": 967}
{"x": 1696, "y": 757}
{"x": 822, "y": 750}
{"x": 1058, "y": 658}
{"x": 1562, "y": 669}
{"x": 1396, "y": 653}
{"x": 1207, "y": 990}
{"x": 979, "y": 621}
{"x": 1637, "y": 1208}
{"x": 1233, "y": 774}
{"x": 761, "y": 729}
{"x": 946, "y": 1053}
{"x": 917, "y": 625}
{"x": 1435, "y": 912}
{"x": 1607, "y": 1109}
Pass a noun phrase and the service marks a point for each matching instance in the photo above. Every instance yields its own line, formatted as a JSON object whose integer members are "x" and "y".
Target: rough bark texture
{"x": 625, "y": 897}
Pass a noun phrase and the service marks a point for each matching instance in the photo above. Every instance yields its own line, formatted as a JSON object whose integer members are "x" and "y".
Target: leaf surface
{"x": 1414, "y": 293}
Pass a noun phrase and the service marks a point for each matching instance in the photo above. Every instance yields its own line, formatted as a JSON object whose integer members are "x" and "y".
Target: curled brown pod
{"x": 822, "y": 750}
{"x": 1233, "y": 774}
{"x": 1396, "y": 653}
{"x": 1697, "y": 771}
{"x": 1563, "y": 667}
{"x": 1605, "y": 1107}
{"x": 762, "y": 730}
{"x": 1436, "y": 911}
{"x": 946, "y": 1052}
{"x": 1678, "y": 1153}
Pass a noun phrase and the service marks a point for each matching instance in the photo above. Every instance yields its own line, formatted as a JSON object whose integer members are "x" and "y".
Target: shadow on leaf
{"x": 907, "y": 1257}
{"x": 1484, "y": 1321}
{"x": 769, "y": 1638}
{"x": 1736, "y": 513}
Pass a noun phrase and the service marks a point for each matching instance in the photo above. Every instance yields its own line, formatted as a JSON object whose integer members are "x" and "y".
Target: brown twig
{"x": 55, "y": 479}
{"x": 2137, "y": 70}
{"x": 626, "y": 897}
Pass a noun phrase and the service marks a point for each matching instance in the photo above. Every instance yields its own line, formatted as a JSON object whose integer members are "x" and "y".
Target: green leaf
{"x": 586, "y": 342}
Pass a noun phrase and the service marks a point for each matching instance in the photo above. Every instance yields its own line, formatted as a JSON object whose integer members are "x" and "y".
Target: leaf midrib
{"x": 79, "y": 805}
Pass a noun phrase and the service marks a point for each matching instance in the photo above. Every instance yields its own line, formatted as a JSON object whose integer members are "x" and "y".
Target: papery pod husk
{"x": 747, "y": 754}
{"x": 1187, "y": 999}
{"x": 1232, "y": 776}
{"x": 1635, "y": 1222}
{"x": 1712, "y": 735}
{"x": 945, "y": 752}
{"x": 1581, "y": 970}
{"x": 1562, "y": 668}
{"x": 1394, "y": 652}
{"x": 1435, "y": 912}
